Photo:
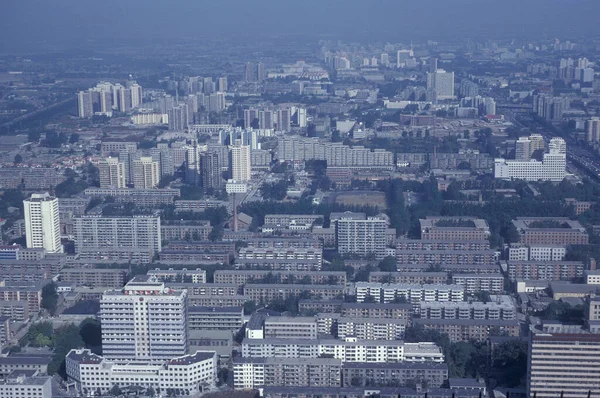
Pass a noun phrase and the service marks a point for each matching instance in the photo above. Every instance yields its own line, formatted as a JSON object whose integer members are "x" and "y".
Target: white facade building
{"x": 413, "y": 293}
{"x": 184, "y": 376}
{"x": 112, "y": 173}
{"x": 349, "y": 349}
{"x": 42, "y": 223}
{"x": 551, "y": 168}
{"x": 21, "y": 386}
{"x": 145, "y": 321}
{"x": 146, "y": 173}
{"x": 440, "y": 84}
{"x": 240, "y": 162}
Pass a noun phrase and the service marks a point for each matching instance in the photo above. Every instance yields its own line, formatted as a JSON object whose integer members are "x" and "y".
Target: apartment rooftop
{"x": 461, "y": 223}
{"x": 548, "y": 224}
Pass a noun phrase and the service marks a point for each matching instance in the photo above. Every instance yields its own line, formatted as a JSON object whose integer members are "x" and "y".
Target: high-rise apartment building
{"x": 146, "y": 173}
{"x": 112, "y": 173}
{"x": 240, "y": 162}
{"x": 85, "y": 106}
{"x": 284, "y": 119}
{"x": 593, "y": 129}
{"x": 361, "y": 236}
{"x": 249, "y": 73}
{"x": 144, "y": 321}
{"x": 125, "y": 98}
{"x": 222, "y": 84}
{"x": 563, "y": 365}
{"x": 210, "y": 170}
{"x": 137, "y": 232}
{"x": 42, "y": 223}
{"x": 440, "y": 85}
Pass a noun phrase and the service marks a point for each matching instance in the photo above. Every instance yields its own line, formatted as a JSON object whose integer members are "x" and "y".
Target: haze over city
{"x": 315, "y": 199}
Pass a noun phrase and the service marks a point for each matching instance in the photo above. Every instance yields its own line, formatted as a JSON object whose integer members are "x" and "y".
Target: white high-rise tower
{"x": 145, "y": 321}
{"x": 241, "y": 168}
{"x": 42, "y": 224}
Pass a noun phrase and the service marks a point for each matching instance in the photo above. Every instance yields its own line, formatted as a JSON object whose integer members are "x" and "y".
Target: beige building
{"x": 146, "y": 173}
{"x": 112, "y": 173}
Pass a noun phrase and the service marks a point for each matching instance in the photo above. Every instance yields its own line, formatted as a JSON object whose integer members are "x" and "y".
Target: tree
{"x": 388, "y": 264}
{"x": 150, "y": 392}
{"x": 18, "y": 158}
{"x": 73, "y": 138}
{"x": 66, "y": 338}
{"x": 91, "y": 333}
{"x": 509, "y": 365}
{"x": 33, "y": 136}
{"x": 115, "y": 390}
{"x": 50, "y": 298}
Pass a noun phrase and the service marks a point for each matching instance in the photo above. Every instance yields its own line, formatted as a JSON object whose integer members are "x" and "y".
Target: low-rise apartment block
{"x": 559, "y": 231}
{"x": 348, "y": 350}
{"x": 377, "y": 310}
{"x": 501, "y": 307}
{"x": 15, "y": 310}
{"x": 470, "y": 329}
{"x": 266, "y": 293}
{"x": 241, "y": 277}
{"x": 394, "y": 374}
{"x": 436, "y": 244}
{"x": 31, "y": 293}
{"x": 193, "y": 257}
{"x": 205, "y": 289}
{"x": 250, "y": 373}
{"x": 409, "y": 277}
{"x": 141, "y": 197}
{"x": 473, "y": 283}
{"x": 114, "y": 278}
{"x": 464, "y": 268}
{"x": 28, "y": 363}
{"x": 181, "y": 275}
{"x": 26, "y": 385}
{"x": 313, "y": 264}
{"x": 219, "y": 318}
{"x": 310, "y": 306}
{"x": 544, "y": 270}
{"x": 519, "y": 252}
{"x": 445, "y": 257}
{"x": 454, "y": 228}
{"x": 213, "y": 300}
{"x": 372, "y": 328}
{"x": 285, "y": 327}
{"x": 197, "y": 230}
{"x": 413, "y": 293}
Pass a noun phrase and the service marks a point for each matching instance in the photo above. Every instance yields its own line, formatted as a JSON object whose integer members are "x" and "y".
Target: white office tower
{"x": 136, "y": 95}
{"x": 384, "y": 60}
{"x": 593, "y": 129}
{"x": 222, "y": 84}
{"x": 402, "y": 56}
{"x": 551, "y": 168}
{"x": 537, "y": 142}
{"x": 146, "y": 173}
{"x": 42, "y": 224}
{"x": 284, "y": 119}
{"x": 523, "y": 149}
{"x": 301, "y": 118}
{"x": 266, "y": 119}
{"x": 557, "y": 146}
{"x": 145, "y": 321}
{"x": 440, "y": 85}
{"x": 85, "y": 105}
{"x": 239, "y": 162}
{"x": 112, "y": 173}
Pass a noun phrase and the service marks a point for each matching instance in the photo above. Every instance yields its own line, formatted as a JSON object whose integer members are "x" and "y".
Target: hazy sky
{"x": 74, "y": 20}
